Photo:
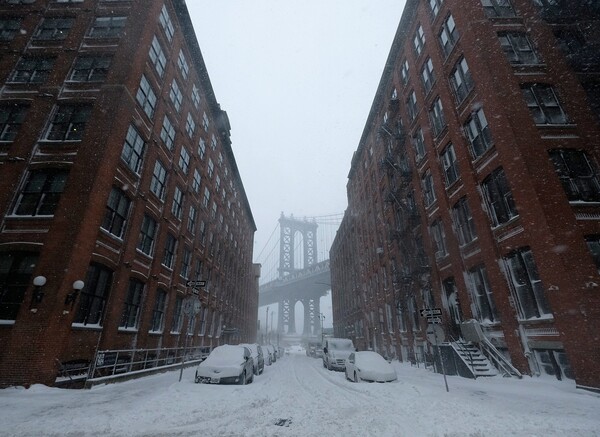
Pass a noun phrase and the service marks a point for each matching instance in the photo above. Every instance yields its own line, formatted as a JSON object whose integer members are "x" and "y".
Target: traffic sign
{"x": 196, "y": 283}
{"x": 434, "y": 320}
{"x": 429, "y": 312}
{"x": 435, "y": 334}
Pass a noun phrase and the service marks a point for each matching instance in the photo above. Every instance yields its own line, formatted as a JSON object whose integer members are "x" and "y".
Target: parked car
{"x": 227, "y": 364}
{"x": 271, "y": 351}
{"x": 335, "y": 352}
{"x": 257, "y": 356}
{"x": 369, "y": 366}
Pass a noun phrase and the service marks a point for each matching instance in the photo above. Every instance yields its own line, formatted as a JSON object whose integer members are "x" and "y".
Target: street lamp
{"x": 322, "y": 318}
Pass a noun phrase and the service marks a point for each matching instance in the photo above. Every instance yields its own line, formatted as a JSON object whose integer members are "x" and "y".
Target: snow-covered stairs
{"x": 475, "y": 360}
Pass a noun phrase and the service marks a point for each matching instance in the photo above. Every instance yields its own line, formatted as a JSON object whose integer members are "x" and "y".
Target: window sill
{"x": 128, "y": 330}
{"x": 86, "y": 327}
{"x": 6, "y": 322}
{"x": 155, "y": 332}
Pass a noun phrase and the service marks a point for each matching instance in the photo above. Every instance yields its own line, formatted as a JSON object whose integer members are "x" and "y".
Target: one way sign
{"x": 431, "y": 312}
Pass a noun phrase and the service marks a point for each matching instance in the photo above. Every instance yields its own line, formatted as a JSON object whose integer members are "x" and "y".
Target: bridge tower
{"x": 289, "y": 226}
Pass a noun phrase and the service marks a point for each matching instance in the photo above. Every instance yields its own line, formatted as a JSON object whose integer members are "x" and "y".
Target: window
{"x": 419, "y": 40}
{"x": 177, "y": 206}
{"x": 196, "y": 181}
{"x": 16, "y": 268}
{"x": 169, "y": 253}
{"x": 157, "y": 56}
{"x": 211, "y": 168}
{"x": 543, "y": 104}
{"x": 53, "y": 29}
{"x": 419, "y": 143}
{"x": 9, "y": 27}
{"x": 439, "y": 238}
{"x": 175, "y": 95}
{"x": 435, "y": 6}
{"x": 411, "y": 106}
{"x": 191, "y": 224}
{"x": 577, "y": 175}
{"x": 167, "y": 133}
{"x": 213, "y": 142}
{"x": 190, "y": 125}
{"x": 203, "y": 314}
{"x": 133, "y": 302}
{"x": 184, "y": 160}
{"x": 202, "y": 232}
{"x": 478, "y": 132}
{"x": 427, "y": 186}
{"x": 183, "y": 65}
{"x": 206, "y": 198}
{"x": 32, "y": 70}
{"x": 147, "y": 235}
{"x": 146, "y": 97}
{"x": 526, "y": 283}
{"x": 449, "y": 35}
{"x": 41, "y": 193}
{"x": 159, "y": 180}
{"x": 498, "y": 8}
{"x": 117, "y": 209}
{"x": 93, "y": 297}
{"x": 166, "y": 23}
{"x": 213, "y": 212}
{"x": 107, "y": 27}
{"x": 205, "y": 122}
{"x": 461, "y": 80}
{"x": 499, "y": 198}
{"x": 436, "y": 116}
{"x": 133, "y": 150}
{"x": 68, "y": 123}
{"x": 201, "y": 149}
{"x": 481, "y": 293}
{"x": 593, "y": 244}
{"x": 177, "y": 321}
{"x": 158, "y": 313}
{"x": 186, "y": 262}
{"x": 11, "y": 119}
{"x": 463, "y": 222}
{"x": 195, "y": 96}
{"x": 90, "y": 69}
{"x": 449, "y": 165}
{"x": 518, "y": 48}
{"x": 427, "y": 75}
{"x": 404, "y": 72}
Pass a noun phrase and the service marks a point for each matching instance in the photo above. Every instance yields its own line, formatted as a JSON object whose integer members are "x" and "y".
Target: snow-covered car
{"x": 369, "y": 366}
{"x": 335, "y": 353}
{"x": 258, "y": 357}
{"x": 227, "y": 364}
{"x": 270, "y": 350}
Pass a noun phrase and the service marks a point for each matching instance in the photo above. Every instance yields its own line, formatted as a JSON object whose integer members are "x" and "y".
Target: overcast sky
{"x": 297, "y": 79}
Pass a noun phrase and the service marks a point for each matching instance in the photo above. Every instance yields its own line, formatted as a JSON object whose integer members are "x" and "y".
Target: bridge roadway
{"x": 307, "y": 286}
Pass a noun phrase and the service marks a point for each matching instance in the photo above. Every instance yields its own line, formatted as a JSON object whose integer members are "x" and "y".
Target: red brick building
{"x": 118, "y": 186}
{"x": 475, "y": 189}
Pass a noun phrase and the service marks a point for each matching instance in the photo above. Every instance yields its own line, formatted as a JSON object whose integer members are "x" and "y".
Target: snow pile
{"x": 296, "y": 396}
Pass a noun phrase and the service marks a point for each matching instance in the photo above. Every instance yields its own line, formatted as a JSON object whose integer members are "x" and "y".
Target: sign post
{"x": 191, "y": 306}
{"x": 435, "y": 335}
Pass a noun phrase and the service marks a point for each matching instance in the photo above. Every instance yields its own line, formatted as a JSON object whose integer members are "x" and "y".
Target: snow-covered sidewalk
{"x": 296, "y": 396}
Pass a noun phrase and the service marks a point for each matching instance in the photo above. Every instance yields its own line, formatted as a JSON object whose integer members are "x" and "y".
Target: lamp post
{"x": 322, "y": 319}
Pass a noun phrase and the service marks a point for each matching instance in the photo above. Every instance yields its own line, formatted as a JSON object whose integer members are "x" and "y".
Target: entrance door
{"x": 453, "y": 307}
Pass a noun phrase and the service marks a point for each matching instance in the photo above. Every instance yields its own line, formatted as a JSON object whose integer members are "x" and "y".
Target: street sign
{"x": 191, "y": 306}
{"x": 428, "y": 312}
{"x": 196, "y": 283}
{"x": 435, "y": 334}
{"x": 434, "y": 320}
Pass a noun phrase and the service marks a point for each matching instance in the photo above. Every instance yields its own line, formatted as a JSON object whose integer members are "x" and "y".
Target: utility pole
{"x": 267, "y": 326}
{"x": 271, "y": 322}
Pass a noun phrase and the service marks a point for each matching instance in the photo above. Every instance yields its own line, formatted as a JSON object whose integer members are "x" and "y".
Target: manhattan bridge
{"x": 295, "y": 274}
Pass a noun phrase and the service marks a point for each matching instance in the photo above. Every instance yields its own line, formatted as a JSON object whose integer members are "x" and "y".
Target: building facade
{"x": 475, "y": 188}
{"x": 118, "y": 187}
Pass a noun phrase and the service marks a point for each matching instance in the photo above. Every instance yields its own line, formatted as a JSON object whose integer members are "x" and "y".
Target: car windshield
{"x": 341, "y": 345}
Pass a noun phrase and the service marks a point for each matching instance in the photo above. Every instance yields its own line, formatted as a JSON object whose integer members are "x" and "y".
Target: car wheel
{"x": 243, "y": 378}
{"x": 356, "y": 378}
{"x": 251, "y": 380}
{"x": 255, "y": 370}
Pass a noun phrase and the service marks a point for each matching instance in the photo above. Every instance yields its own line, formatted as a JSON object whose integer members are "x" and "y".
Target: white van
{"x": 335, "y": 352}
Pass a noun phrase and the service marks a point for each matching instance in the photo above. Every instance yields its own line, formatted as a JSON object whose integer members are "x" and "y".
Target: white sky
{"x": 297, "y": 79}
{"x": 318, "y": 403}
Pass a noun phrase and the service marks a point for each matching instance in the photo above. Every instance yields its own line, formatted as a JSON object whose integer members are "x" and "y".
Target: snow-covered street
{"x": 307, "y": 400}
